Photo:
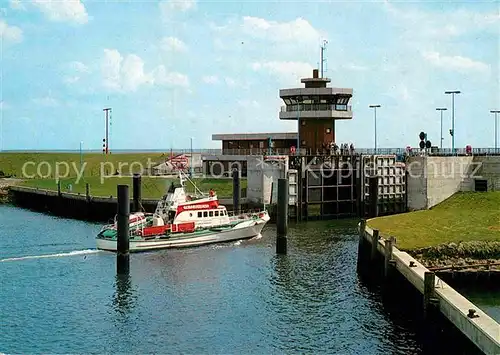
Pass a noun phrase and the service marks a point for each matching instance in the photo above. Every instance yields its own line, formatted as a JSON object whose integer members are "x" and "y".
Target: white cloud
{"x": 169, "y": 7}
{"x": 162, "y": 77}
{"x": 4, "y": 106}
{"x": 230, "y": 81}
{"x": 443, "y": 24}
{"x": 210, "y": 79}
{"x": 111, "y": 69}
{"x": 249, "y": 103}
{"x": 79, "y": 67}
{"x": 47, "y": 101}
{"x": 63, "y": 11}
{"x": 173, "y": 44}
{"x": 10, "y": 33}
{"x": 298, "y": 30}
{"x": 17, "y": 5}
{"x": 457, "y": 63}
{"x": 288, "y": 71}
{"x": 132, "y": 73}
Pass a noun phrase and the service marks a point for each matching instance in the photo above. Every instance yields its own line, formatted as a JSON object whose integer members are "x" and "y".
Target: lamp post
{"x": 496, "y": 130}
{"x": 441, "y": 109}
{"x": 374, "y": 107}
{"x": 81, "y": 155}
{"x": 452, "y": 118}
{"x": 191, "y": 162}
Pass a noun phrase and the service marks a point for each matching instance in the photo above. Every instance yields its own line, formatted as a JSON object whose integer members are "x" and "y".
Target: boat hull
{"x": 243, "y": 230}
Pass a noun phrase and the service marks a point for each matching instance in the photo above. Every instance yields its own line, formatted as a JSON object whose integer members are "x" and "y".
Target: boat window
{"x": 211, "y": 213}
{"x": 199, "y": 214}
{"x": 216, "y": 213}
{"x": 190, "y": 215}
{"x": 205, "y": 214}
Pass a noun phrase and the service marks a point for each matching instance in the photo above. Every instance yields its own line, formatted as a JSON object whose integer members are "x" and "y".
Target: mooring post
{"x": 361, "y": 243}
{"x": 429, "y": 285}
{"x": 373, "y": 188}
{"x": 236, "y": 191}
{"x": 362, "y": 227}
{"x": 137, "y": 192}
{"x": 282, "y": 217}
{"x": 87, "y": 192}
{"x": 388, "y": 255}
{"x": 59, "y": 188}
{"x": 122, "y": 252}
{"x": 374, "y": 245}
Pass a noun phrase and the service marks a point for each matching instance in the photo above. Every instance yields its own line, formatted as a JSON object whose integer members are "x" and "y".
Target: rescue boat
{"x": 182, "y": 220}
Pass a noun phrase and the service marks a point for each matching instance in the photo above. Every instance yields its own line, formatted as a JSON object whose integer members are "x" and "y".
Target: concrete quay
{"x": 477, "y": 326}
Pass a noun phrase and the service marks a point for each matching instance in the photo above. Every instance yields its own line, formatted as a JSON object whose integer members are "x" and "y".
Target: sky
{"x": 176, "y": 71}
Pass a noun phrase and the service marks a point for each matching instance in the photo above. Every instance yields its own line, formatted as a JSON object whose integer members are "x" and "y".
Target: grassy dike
{"x": 463, "y": 230}
{"x": 42, "y": 169}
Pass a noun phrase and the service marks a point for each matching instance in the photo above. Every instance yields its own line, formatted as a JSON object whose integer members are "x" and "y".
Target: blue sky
{"x": 172, "y": 70}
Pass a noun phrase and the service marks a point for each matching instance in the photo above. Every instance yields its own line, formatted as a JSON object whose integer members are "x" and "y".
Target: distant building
{"x": 316, "y": 107}
{"x": 256, "y": 143}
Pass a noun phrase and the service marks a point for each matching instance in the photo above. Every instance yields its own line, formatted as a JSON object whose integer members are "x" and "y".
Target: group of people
{"x": 344, "y": 149}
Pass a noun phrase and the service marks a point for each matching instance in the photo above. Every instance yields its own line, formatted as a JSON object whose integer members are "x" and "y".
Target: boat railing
{"x": 235, "y": 215}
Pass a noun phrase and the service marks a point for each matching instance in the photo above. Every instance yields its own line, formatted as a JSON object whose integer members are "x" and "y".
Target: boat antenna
{"x": 184, "y": 177}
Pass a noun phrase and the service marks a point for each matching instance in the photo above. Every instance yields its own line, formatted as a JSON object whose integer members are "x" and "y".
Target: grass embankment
{"x": 41, "y": 173}
{"x": 464, "y": 217}
{"x": 12, "y": 163}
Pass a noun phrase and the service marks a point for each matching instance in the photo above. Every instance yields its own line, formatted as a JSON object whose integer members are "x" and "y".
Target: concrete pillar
{"x": 373, "y": 187}
{"x": 236, "y": 191}
{"x": 122, "y": 243}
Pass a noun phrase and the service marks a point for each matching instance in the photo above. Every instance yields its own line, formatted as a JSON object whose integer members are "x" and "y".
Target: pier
{"x": 475, "y": 324}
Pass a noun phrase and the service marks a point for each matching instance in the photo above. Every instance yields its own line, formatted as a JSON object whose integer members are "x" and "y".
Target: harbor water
{"x": 60, "y": 295}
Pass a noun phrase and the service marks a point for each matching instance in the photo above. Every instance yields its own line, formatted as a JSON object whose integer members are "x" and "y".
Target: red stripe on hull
{"x": 198, "y": 206}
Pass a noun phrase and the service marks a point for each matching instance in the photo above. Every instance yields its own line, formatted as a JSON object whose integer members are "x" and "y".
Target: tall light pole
{"x": 191, "y": 161}
{"x": 452, "y": 117}
{"x": 496, "y": 131}
{"x": 374, "y": 107}
{"x": 441, "y": 109}
{"x": 81, "y": 155}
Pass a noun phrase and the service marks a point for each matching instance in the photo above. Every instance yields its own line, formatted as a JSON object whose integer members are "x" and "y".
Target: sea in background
{"x": 60, "y": 295}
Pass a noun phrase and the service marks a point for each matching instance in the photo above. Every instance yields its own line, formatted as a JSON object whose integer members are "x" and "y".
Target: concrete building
{"x": 256, "y": 143}
{"x": 316, "y": 107}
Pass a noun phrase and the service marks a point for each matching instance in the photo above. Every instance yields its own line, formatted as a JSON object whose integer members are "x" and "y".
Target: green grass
{"x": 12, "y": 163}
{"x": 152, "y": 187}
{"x": 464, "y": 217}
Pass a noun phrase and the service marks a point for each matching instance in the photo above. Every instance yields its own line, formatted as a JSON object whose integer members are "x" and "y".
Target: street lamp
{"x": 374, "y": 107}
{"x": 452, "y": 132}
{"x": 81, "y": 155}
{"x": 496, "y": 131}
{"x": 441, "y": 109}
{"x": 191, "y": 162}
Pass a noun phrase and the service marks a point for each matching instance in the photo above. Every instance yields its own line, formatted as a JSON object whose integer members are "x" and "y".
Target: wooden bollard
{"x": 236, "y": 191}
{"x": 388, "y": 255}
{"x": 123, "y": 243}
{"x": 375, "y": 238}
{"x": 429, "y": 285}
{"x": 59, "y": 188}
{"x": 282, "y": 217}
{"x": 137, "y": 194}
{"x": 87, "y": 192}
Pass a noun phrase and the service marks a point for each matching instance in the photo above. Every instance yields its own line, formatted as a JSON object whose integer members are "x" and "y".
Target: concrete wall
{"x": 417, "y": 183}
{"x": 432, "y": 180}
{"x": 261, "y": 175}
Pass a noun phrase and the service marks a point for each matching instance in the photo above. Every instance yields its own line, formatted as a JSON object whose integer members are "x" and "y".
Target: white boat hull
{"x": 243, "y": 230}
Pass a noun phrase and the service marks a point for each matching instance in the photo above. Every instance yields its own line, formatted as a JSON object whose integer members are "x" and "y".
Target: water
{"x": 233, "y": 298}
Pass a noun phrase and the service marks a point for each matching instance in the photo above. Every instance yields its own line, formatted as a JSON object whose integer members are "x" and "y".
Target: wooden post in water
{"x": 236, "y": 191}
{"x": 361, "y": 243}
{"x": 87, "y": 192}
{"x": 59, "y": 188}
{"x": 429, "y": 285}
{"x": 388, "y": 255}
{"x": 373, "y": 188}
{"x": 282, "y": 217}
{"x": 122, "y": 252}
{"x": 136, "y": 185}
{"x": 374, "y": 245}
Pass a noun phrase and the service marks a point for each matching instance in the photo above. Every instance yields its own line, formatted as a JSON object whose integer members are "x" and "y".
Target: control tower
{"x": 316, "y": 107}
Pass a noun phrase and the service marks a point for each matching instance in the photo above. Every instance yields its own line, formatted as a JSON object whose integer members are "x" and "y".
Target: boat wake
{"x": 71, "y": 253}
